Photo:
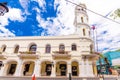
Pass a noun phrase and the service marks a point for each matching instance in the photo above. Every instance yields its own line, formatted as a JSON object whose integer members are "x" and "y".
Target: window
{"x": 33, "y": 48}
{"x": 82, "y": 19}
{"x": 3, "y": 48}
{"x": 84, "y": 32}
{"x": 48, "y": 48}
{"x": 16, "y": 49}
{"x": 61, "y": 47}
{"x": 73, "y": 47}
{"x": 91, "y": 48}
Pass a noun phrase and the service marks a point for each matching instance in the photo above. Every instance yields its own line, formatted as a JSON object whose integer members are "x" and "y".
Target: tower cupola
{"x": 81, "y": 21}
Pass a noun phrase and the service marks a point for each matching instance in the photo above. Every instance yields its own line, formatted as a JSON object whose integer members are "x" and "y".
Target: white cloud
{"x": 14, "y": 14}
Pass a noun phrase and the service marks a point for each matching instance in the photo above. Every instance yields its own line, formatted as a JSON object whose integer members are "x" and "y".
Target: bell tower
{"x": 81, "y": 21}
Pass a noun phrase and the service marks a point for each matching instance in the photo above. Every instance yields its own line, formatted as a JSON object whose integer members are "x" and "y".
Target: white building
{"x": 51, "y": 56}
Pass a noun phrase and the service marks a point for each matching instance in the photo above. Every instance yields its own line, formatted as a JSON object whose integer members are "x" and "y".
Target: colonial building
{"x": 51, "y": 56}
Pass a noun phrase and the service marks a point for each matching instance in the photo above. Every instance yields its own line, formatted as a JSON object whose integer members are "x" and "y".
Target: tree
{"x": 116, "y": 13}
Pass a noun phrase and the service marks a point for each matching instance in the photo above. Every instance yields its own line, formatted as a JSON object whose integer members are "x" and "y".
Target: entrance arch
{"x": 75, "y": 68}
{"x": 28, "y": 68}
{"x": 46, "y": 68}
{"x": 61, "y": 68}
{"x": 11, "y": 68}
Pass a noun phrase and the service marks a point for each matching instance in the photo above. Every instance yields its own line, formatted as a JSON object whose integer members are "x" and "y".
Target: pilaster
{"x": 37, "y": 68}
{"x": 53, "y": 73}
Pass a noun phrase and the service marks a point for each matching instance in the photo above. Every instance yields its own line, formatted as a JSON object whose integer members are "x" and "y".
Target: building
{"x": 51, "y": 56}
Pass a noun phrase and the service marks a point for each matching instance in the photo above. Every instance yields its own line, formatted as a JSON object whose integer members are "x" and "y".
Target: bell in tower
{"x": 81, "y": 21}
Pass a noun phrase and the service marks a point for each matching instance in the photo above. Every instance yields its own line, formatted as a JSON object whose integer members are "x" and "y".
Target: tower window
{"x": 61, "y": 47}
{"x": 33, "y": 48}
{"x": 48, "y": 49}
{"x": 82, "y": 19}
{"x": 3, "y": 48}
{"x": 91, "y": 48}
{"x": 16, "y": 49}
{"x": 84, "y": 32}
{"x": 73, "y": 47}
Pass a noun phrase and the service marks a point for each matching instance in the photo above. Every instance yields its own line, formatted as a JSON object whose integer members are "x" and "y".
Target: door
{"x": 48, "y": 69}
{"x": 12, "y": 69}
{"x": 63, "y": 69}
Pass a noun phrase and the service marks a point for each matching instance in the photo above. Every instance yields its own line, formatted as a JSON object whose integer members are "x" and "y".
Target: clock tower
{"x": 81, "y": 21}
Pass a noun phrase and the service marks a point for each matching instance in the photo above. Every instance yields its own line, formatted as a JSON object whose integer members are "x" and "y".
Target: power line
{"x": 95, "y": 12}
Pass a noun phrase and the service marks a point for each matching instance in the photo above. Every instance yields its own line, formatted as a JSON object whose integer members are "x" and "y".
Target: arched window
{"x": 82, "y": 19}
{"x": 16, "y": 49}
{"x": 48, "y": 48}
{"x": 3, "y": 48}
{"x": 91, "y": 48}
{"x": 33, "y": 48}
{"x": 61, "y": 48}
{"x": 73, "y": 47}
{"x": 84, "y": 32}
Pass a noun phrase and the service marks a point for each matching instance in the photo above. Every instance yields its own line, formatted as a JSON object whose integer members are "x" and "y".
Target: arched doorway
{"x": 11, "y": 68}
{"x": 75, "y": 68}
{"x": 46, "y": 68}
{"x": 61, "y": 68}
{"x": 28, "y": 68}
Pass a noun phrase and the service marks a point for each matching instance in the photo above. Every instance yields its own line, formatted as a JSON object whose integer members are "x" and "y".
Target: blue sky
{"x": 56, "y": 17}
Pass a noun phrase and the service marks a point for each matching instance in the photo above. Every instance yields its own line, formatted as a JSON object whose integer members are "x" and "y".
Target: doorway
{"x": 12, "y": 69}
{"x": 63, "y": 69}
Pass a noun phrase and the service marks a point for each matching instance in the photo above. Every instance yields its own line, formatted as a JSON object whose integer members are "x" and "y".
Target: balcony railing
{"x": 61, "y": 54}
{"x": 2, "y": 56}
{"x": 28, "y": 54}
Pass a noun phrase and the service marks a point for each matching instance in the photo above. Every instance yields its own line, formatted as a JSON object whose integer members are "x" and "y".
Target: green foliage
{"x": 116, "y": 13}
{"x": 118, "y": 50}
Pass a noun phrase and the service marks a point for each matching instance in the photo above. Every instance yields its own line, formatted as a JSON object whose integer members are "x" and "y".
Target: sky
{"x": 56, "y": 17}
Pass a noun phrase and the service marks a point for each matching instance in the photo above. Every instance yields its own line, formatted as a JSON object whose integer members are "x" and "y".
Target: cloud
{"x": 24, "y": 4}
{"x": 14, "y": 14}
{"x": 62, "y": 24}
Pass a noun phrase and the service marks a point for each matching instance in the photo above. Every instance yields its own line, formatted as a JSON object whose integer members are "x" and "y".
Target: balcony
{"x": 28, "y": 54}
{"x": 2, "y": 56}
{"x": 90, "y": 56}
{"x": 61, "y": 55}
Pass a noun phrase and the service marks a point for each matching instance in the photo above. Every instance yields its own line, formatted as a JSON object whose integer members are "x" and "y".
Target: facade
{"x": 51, "y": 56}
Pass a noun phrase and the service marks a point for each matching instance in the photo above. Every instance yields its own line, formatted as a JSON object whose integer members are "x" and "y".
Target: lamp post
{"x": 1, "y": 64}
{"x": 3, "y": 8}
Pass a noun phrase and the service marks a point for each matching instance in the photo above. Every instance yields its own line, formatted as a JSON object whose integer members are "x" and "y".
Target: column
{"x": 82, "y": 69}
{"x": 37, "y": 68}
{"x": 53, "y": 73}
{"x": 91, "y": 69}
{"x": 87, "y": 67}
{"x": 69, "y": 69}
{"x": 18, "y": 71}
{"x": 3, "y": 69}
{"x": 94, "y": 68}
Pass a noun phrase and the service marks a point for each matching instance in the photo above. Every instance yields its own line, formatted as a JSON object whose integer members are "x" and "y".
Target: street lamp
{"x": 1, "y": 64}
{"x": 52, "y": 63}
{"x": 3, "y": 8}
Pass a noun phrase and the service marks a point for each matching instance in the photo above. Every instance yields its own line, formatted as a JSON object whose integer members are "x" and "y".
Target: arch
{"x": 61, "y": 47}
{"x": 61, "y": 68}
{"x": 46, "y": 68}
{"x": 3, "y": 48}
{"x": 16, "y": 49}
{"x": 75, "y": 68}
{"x": 32, "y": 48}
{"x": 11, "y": 67}
{"x": 82, "y": 20}
{"x": 28, "y": 68}
{"x": 84, "y": 32}
{"x": 91, "y": 48}
{"x": 48, "y": 48}
{"x": 73, "y": 47}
